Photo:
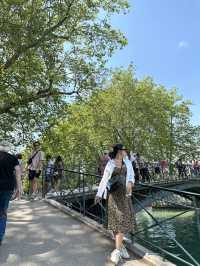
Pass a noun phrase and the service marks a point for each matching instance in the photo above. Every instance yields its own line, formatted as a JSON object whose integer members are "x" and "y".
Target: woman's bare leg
{"x": 119, "y": 240}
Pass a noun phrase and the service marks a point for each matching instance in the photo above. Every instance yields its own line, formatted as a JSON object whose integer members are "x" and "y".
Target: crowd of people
{"x": 119, "y": 171}
{"x": 146, "y": 171}
{"x": 52, "y": 170}
{"x": 38, "y": 165}
{"x": 14, "y": 171}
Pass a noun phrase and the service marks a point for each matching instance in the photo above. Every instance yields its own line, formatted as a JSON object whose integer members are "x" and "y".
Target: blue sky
{"x": 164, "y": 42}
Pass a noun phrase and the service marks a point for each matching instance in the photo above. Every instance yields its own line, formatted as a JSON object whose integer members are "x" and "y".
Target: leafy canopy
{"x": 144, "y": 116}
{"x": 51, "y": 50}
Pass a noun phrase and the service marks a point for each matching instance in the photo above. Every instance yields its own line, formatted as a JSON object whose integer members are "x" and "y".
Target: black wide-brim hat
{"x": 119, "y": 147}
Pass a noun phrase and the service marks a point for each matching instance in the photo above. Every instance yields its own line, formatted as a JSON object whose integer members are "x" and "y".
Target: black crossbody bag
{"x": 31, "y": 159}
{"x": 115, "y": 181}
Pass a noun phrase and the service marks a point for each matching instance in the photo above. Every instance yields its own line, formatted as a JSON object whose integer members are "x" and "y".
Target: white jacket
{"x": 130, "y": 177}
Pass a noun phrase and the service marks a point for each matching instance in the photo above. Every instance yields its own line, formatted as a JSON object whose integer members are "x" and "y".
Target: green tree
{"x": 145, "y": 116}
{"x": 51, "y": 50}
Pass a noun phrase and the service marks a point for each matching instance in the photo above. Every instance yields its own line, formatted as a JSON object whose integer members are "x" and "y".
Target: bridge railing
{"x": 77, "y": 180}
{"x": 152, "y": 176}
{"x": 163, "y": 197}
{"x": 78, "y": 189}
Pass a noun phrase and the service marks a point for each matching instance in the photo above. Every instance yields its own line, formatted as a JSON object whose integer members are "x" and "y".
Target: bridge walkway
{"x": 39, "y": 235}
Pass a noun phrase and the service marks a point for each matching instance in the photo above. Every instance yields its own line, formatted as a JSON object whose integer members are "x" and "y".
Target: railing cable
{"x": 172, "y": 238}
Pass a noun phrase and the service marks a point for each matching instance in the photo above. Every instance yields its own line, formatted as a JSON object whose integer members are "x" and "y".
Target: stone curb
{"x": 150, "y": 257}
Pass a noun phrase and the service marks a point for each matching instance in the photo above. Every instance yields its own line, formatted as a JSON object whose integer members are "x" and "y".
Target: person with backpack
{"x": 10, "y": 180}
{"x": 35, "y": 165}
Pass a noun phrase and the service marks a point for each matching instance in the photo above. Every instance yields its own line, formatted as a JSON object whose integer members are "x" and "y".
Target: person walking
{"x": 120, "y": 212}
{"x": 22, "y": 172}
{"x": 58, "y": 172}
{"x": 10, "y": 180}
{"x": 48, "y": 173}
{"x": 145, "y": 172}
{"x": 165, "y": 168}
{"x": 136, "y": 166}
{"x": 35, "y": 165}
{"x": 103, "y": 160}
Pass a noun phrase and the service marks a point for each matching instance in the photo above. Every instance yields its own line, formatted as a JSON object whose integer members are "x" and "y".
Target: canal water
{"x": 185, "y": 228}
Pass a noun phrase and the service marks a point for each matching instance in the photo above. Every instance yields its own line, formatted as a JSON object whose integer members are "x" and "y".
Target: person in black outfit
{"x": 144, "y": 171}
{"x": 181, "y": 168}
{"x": 136, "y": 167}
{"x": 9, "y": 181}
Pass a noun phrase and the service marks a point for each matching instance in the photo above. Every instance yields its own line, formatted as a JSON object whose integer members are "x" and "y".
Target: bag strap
{"x": 120, "y": 171}
{"x": 34, "y": 155}
{"x": 122, "y": 167}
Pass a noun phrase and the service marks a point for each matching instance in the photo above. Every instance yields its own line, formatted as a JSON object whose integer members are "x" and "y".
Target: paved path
{"x": 39, "y": 235}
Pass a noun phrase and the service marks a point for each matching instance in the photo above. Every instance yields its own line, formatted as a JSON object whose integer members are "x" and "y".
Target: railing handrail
{"x": 165, "y": 251}
{"x": 177, "y": 191}
{"x": 155, "y": 187}
{"x": 140, "y": 183}
{"x": 75, "y": 172}
{"x": 170, "y": 237}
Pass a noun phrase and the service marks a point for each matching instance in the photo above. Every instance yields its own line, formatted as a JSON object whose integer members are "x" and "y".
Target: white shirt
{"x": 50, "y": 167}
{"x": 36, "y": 161}
{"x": 130, "y": 177}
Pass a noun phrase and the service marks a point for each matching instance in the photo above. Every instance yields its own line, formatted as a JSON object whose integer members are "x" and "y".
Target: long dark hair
{"x": 19, "y": 156}
{"x": 58, "y": 159}
{"x": 117, "y": 147}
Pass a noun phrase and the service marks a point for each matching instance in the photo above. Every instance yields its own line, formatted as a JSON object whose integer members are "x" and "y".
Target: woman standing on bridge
{"x": 120, "y": 177}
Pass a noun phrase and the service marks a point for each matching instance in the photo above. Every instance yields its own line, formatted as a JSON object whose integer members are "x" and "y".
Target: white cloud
{"x": 183, "y": 44}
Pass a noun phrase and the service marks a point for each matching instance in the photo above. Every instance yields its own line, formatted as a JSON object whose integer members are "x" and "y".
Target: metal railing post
{"x": 84, "y": 210}
{"x": 79, "y": 178}
{"x": 43, "y": 192}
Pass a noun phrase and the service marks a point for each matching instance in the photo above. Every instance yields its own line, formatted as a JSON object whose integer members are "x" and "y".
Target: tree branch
{"x": 6, "y": 108}
{"x": 24, "y": 48}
